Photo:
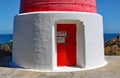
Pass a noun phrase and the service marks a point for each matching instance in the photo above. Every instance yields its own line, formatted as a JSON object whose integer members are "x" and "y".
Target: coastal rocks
{"x": 112, "y": 47}
{"x": 6, "y": 49}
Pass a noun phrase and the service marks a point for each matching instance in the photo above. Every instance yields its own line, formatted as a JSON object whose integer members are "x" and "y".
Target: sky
{"x": 109, "y": 9}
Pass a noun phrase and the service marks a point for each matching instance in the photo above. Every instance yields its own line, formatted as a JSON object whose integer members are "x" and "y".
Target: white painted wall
{"x": 34, "y": 39}
{"x": 94, "y": 43}
{"x": 80, "y": 45}
{"x": 32, "y": 42}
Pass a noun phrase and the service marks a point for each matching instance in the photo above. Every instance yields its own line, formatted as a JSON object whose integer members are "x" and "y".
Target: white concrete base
{"x": 34, "y": 42}
{"x": 59, "y": 69}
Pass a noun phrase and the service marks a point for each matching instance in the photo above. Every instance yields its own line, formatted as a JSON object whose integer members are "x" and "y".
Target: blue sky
{"x": 8, "y": 9}
{"x": 109, "y": 9}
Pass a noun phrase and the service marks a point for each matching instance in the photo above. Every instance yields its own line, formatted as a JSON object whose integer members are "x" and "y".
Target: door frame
{"x": 80, "y": 40}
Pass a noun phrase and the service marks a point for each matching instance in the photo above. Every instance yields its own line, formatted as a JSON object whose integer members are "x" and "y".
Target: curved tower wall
{"x": 35, "y": 41}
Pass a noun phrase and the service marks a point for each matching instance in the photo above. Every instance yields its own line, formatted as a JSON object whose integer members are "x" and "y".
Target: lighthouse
{"x": 49, "y": 34}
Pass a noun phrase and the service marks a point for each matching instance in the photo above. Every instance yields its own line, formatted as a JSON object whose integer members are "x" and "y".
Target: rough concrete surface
{"x": 112, "y": 70}
{"x": 35, "y": 39}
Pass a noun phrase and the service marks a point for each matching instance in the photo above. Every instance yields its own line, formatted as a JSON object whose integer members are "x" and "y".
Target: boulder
{"x": 6, "y": 49}
{"x": 112, "y": 47}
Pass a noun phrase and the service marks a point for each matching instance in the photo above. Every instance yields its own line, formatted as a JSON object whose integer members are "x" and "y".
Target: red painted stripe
{"x": 53, "y": 5}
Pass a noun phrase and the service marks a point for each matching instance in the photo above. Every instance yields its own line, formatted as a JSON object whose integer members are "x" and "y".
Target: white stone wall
{"x": 32, "y": 42}
{"x": 34, "y": 39}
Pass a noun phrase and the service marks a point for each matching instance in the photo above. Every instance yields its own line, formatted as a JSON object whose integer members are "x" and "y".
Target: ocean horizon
{"x": 5, "y": 38}
{"x": 109, "y": 36}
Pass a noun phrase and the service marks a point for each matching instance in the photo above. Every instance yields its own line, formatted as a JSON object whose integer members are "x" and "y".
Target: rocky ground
{"x": 112, "y": 47}
{"x": 6, "y": 49}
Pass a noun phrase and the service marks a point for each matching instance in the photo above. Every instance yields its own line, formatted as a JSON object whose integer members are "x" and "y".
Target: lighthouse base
{"x": 58, "y": 69}
{"x": 49, "y": 40}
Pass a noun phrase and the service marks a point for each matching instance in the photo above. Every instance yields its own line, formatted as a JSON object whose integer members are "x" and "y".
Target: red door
{"x": 66, "y": 44}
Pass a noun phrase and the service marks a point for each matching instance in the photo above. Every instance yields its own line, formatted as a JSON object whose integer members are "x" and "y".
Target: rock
{"x": 6, "y": 49}
{"x": 112, "y": 47}
{"x": 107, "y": 50}
{"x": 115, "y": 49}
{"x": 118, "y": 37}
{"x": 11, "y": 44}
{"x": 111, "y": 42}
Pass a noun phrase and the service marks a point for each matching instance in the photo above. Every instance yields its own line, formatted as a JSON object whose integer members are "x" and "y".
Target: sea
{"x": 5, "y": 38}
{"x": 109, "y": 36}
